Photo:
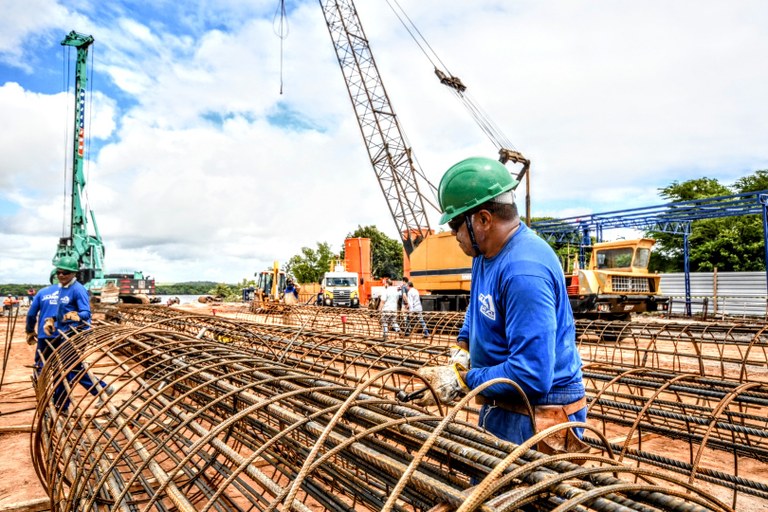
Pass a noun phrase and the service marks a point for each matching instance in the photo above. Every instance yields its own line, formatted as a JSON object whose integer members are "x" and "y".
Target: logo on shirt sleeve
{"x": 486, "y": 306}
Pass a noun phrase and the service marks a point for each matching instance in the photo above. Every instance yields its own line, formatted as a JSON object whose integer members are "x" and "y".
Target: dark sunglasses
{"x": 456, "y": 223}
{"x": 63, "y": 272}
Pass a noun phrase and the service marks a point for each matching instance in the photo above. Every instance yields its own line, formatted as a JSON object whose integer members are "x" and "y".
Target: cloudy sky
{"x": 199, "y": 168}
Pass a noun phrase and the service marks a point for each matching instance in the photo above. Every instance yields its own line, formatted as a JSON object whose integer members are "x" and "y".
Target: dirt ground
{"x": 18, "y": 481}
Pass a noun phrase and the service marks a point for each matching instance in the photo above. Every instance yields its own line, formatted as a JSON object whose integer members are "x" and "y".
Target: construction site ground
{"x": 22, "y": 491}
{"x": 20, "y": 488}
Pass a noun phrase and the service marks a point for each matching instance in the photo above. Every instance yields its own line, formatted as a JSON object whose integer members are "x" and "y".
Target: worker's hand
{"x": 445, "y": 380}
{"x": 50, "y": 326}
{"x": 31, "y": 338}
{"x": 459, "y": 356}
{"x": 72, "y": 316}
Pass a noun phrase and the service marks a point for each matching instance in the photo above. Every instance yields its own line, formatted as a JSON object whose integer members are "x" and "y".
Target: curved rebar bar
{"x": 189, "y": 415}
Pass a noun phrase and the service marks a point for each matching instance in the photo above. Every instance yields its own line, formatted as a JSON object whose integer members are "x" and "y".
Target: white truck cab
{"x": 341, "y": 288}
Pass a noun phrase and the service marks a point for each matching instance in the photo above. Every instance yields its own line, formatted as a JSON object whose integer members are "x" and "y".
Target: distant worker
{"x": 403, "y": 305}
{"x": 320, "y": 301}
{"x": 388, "y": 308}
{"x": 415, "y": 311}
{"x": 45, "y": 309}
{"x": 519, "y": 324}
{"x": 8, "y": 304}
{"x": 291, "y": 292}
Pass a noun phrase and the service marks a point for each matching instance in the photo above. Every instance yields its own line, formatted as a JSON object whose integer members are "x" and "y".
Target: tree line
{"x": 386, "y": 253}
{"x": 187, "y": 288}
{"x": 728, "y": 244}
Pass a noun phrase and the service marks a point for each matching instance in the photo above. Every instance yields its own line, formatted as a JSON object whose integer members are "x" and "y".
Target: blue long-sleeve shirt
{"x": 44, "y": 305}
{"x": 519, "y": 324}
{"x": 73, "y": 297}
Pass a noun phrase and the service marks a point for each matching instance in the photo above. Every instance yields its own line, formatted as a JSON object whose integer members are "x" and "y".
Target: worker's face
{"x": 64, "y": 276}
{"x": 459, "y": 230}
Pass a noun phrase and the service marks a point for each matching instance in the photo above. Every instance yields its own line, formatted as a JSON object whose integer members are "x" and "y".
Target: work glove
{"x": 459, "y": 356}
{"x": 50, "y": 326}
{"x": 31, "y": 338}
{"x": 445, "y": 380}
{"x": 72, "y": 316}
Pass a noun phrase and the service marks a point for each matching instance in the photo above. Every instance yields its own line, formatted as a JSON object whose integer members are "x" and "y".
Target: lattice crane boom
{"x": 387, "y": 148}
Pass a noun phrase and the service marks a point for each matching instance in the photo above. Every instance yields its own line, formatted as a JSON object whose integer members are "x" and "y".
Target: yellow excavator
{"x": 270, "y": 285}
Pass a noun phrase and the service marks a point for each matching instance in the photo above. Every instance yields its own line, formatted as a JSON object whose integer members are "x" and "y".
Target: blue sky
{"x": 200, "y": 169}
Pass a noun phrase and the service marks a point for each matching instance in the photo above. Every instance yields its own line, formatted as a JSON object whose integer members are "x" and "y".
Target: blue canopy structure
{"x": 675, "y": 218}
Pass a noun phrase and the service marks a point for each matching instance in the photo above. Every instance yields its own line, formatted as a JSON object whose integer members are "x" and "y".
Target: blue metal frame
{"x": 675, "y": 218}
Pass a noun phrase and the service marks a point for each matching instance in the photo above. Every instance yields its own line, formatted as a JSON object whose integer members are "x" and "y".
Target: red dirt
{"x": 18, "y": 480}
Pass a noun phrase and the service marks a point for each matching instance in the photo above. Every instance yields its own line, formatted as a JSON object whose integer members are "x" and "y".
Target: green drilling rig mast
{"x": 87, "y": 249}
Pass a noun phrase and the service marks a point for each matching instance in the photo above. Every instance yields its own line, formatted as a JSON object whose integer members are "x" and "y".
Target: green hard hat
{"x": 67, "y": 263}
{"x": 470, "y": 183}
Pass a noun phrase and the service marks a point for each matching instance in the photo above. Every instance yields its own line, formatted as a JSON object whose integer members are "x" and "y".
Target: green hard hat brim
{"x": 67, "y": 263}
{"x": 470, "y": 183}
{"x": 451, "y": 213}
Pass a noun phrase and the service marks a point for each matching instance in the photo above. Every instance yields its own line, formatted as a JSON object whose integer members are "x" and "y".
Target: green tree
{"x": 689, "y": 190}
{"x": 310, "y": 265}
{"x": 729, "y": 244}
{"x": 386, "y": 253}
{"x": 226, "y": 292}
{"x": 753, "y": 183}
{"x": 187, "y": 288}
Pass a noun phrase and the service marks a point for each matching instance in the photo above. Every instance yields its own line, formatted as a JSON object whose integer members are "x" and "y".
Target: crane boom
{"x": 87, "y": 249}
{"x": 387, "y": 149}
{"x": 435, "y": 263}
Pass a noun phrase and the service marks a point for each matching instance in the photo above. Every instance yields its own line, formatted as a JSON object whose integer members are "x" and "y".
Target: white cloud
{"x": 194, "y": 179}
{"x": 29, "y": 22}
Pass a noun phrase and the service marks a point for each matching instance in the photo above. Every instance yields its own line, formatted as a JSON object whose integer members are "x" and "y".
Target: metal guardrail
{"x": 721, "y": 307}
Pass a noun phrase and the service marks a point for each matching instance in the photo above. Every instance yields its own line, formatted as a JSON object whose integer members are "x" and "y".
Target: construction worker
{"x": 519, "y": 323}
{"x": 404, "y": 295}
{"x": 388, "y": 308}
{"x": 61, "y": 309}
{"x": 291, "y": 292}
{"x": 415, "y": 310}
{"x": 8, "y": 304}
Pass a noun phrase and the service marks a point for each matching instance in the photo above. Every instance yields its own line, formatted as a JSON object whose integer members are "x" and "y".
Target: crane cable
{"x": 486, "y": 124}
{"x": 66, "y": 73}
{"x": 65, "y": 87}
{"x": 87, "y": 162}
{"x": 280, "y": 27}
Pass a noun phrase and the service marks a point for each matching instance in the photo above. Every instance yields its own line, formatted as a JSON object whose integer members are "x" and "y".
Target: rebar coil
{"x": 202, "y": 425}
{"x": 353, "y": 358}
{"x": 726, "y": 349}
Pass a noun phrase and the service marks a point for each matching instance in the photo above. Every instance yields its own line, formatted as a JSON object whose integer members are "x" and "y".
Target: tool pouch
{"x": 562, "y": 441}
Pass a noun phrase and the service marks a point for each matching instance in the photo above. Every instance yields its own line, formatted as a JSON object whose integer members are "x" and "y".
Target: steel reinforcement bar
{"x": 621, "y": 413}
{"x": 729, "y": 351}
{"x": 709, "y": 349}
{"x": 362, "y": 321}
{"x": 663, "y": 415}
{"x": 198, "y": 425}
{"x": 726, "y": 349}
